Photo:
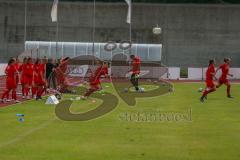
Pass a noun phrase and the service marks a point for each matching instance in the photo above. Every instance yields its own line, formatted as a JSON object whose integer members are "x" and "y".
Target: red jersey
{"x": 38, "y": 73}
{"x": 17, "y": 66}
{"x": 11, "y": 76}
{"x": 225, "y": 70}
{"x": 29, "y": 69}
{"x": 136, "y": 65}
{"x": 11, "y": 71}
{"x": 100, "y": 71}
{"x": 21, "y": 68}
{"x": 43, "y": 68}
{"x": 210, "y": 72}
{"x": 38, "y": 69}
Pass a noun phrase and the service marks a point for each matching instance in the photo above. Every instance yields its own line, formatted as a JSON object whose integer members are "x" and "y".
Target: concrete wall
{"x": 191, "y": 33}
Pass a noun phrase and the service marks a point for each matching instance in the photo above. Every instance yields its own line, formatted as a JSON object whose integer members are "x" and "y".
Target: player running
{"x": 136, "y": 63}
{"x": 224, "y": 77}
{"x": 210, "y": 86}
{"x": 11, "y": 84}
{"x": 94, "y": 80}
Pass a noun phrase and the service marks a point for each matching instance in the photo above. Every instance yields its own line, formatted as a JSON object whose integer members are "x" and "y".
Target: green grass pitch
{"x": 212, "y": 134}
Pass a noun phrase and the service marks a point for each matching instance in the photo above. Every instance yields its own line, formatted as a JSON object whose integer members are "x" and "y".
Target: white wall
{"x": 200, "y": 73}
{"x": 195, "y": 73}
{"x": 2, "y": 69}
{"x": 174, "y": 73}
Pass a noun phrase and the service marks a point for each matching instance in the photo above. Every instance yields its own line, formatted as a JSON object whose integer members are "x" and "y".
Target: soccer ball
{"x": 125, "y": 90}
{"x": 78, "y": 98}
{"x": 200, "y": 89}
{"x": 58, "y": 96}
{"x": 141, "y": 90}
{"x": 157, "y": 30}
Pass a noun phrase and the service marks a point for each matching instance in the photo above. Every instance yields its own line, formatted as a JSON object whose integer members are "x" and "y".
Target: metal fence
{"x": 147, "y": 52}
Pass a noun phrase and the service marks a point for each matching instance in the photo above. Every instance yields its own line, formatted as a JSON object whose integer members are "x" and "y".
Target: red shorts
{"x": 29, "y": 80}
{"x": 223, "y": 81}
{"x": 17, "y": 79}
{"x": 23, "y": 79}
{"x": 11, "y": 83}
{"x": 210, "y": 84}
{"x": 39, "y": 81}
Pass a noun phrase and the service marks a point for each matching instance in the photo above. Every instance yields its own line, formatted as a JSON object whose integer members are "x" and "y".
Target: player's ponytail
{"x": 37, "y": 61}
{"x": 211, "y": 61}
{"x": 226, "y": 60}
{"x": 11, "y": 61}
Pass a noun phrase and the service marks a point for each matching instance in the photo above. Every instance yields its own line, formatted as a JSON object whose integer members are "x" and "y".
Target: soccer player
{"x": 11, "y": 85}
{"x": 60, "y": 73}
{"x": 16, "y": 65}
{"x": 136, "y": 64}
{"x": 94, "y": 80}
{"x": 22, "y": 69}
{"x": 210, "y": 86}
{"x": 224, "y": 77}
{"x": 29, "y": 77}
{"x": 39, "y": 80}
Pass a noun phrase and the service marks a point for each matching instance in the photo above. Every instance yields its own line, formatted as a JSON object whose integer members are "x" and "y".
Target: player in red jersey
{"x": 39, "y": 81}
{"x": 10, "y": 81}
{"x": 29, "y": 77}
{"x": 136, "y": 64}
{"x": 210, "y": 86}
{"x": 224, "y": 77}
{"x": 94, "y": 80}
{"x": 22, "y": 70}
{"x": 17, "y": 66}
{"x": 60, "y": 73}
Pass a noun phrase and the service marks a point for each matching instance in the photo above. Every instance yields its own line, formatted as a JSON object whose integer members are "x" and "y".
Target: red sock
{"x": 27, "y": 91}
{"x": 207, "y": 91}
{"x": 228, "y": 90}
{"x": 5, "y": 94}
{"x": 14, "y": 94}
{"x": 40, "y": 91}
{"x": 34, "y": 90}
{"x": 23, "y": 92}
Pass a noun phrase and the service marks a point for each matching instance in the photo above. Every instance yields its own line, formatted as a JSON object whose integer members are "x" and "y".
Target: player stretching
{"x": 210, "y": 86}
{"x": 61, "y": 75}
{"x": 94, "y": 80}
{"x": 136, "y": 63}
{"x": 224, "y": 77}
{"x": 11, "y": 85}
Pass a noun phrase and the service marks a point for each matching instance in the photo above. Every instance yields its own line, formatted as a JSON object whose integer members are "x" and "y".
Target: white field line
{"x": 31, "y": 131}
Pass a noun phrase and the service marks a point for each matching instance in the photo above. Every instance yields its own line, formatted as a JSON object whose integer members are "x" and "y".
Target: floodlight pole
{"x": 25, "y": 24}
{"x": 130, "y": 25}
{"x": 56, "y": 37}
{"x": 94, "y": 28}
{"x": 57, "y": 29}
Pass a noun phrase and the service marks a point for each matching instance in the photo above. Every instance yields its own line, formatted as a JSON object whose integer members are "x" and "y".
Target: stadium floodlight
{"x": 157, "y": 30}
